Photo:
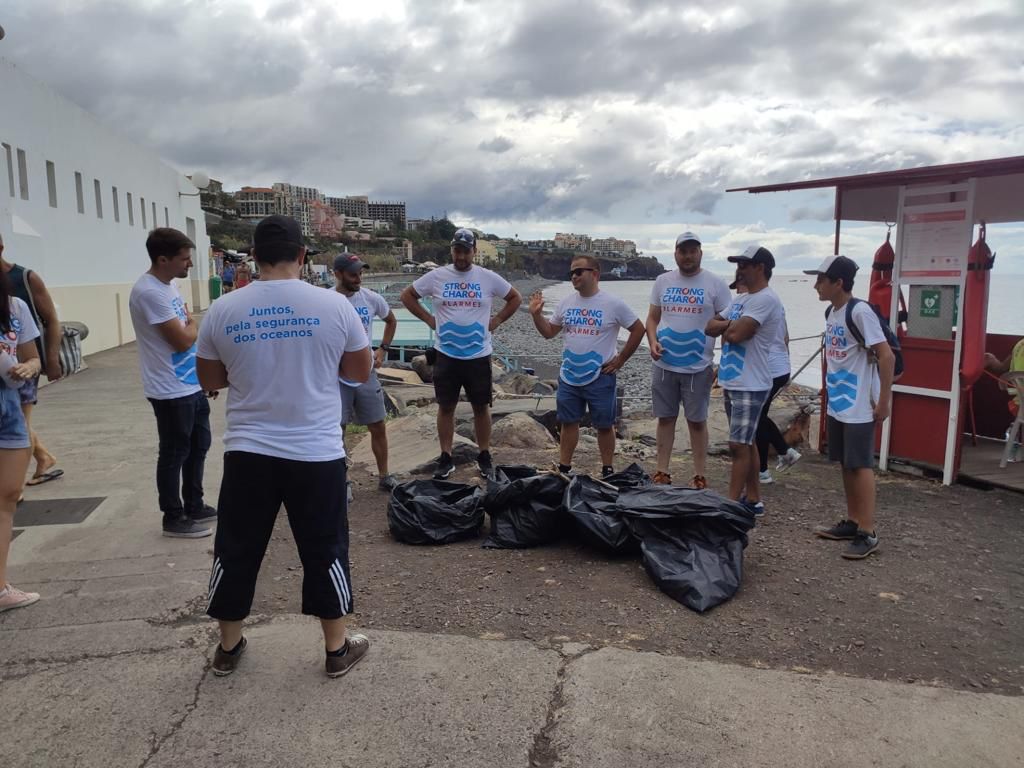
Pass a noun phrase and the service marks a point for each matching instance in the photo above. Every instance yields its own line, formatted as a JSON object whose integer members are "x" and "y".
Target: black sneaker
{"x": 841, "y": 531}
{"x": 186, "y": 528}
{"x": 863, "y": 544}
{"x": 607, "y": 470}
{"x": 205, "y": 515}
{"x": 757, "y": 508}
{"x": 483, "y": 461}
{"x": 357, "y": 646}
{"x": 387, "y": 483}
{"x": 224, "y": 663}
{"x": 445, "y": 466}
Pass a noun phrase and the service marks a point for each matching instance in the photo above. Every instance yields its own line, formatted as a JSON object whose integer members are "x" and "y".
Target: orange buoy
{"x": 972, "y": 326}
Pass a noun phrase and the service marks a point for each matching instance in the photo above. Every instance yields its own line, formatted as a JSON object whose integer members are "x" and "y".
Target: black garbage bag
{"x": 692, "y": 541}
{"x": 435, "y": 512}
{"x": 593, "y": 507}
{"x": 525, "y": 508}
{"x": 632, "y": 476}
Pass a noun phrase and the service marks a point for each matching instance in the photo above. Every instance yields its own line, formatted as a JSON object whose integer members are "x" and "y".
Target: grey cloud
{"x": 498, "y": 145}
{"x": 704, "y": 201}
{"x": 806, "y": 213}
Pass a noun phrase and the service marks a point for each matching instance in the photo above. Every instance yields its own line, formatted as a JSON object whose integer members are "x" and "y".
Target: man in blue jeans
{"x": 590, "y": 320}
{"x": 166, "y": 334}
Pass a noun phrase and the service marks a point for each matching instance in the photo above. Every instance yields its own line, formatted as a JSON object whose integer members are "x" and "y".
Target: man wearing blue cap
{"x": 462, "y": 294}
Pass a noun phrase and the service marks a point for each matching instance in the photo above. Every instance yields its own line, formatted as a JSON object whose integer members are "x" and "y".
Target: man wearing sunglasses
{"x": 590, "y": 319}
{"x": 751, "y": 325}
{"x": 462, "y": 294}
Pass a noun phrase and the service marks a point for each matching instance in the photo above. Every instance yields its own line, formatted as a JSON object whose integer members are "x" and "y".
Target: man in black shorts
{"x": 462, "y": 294}
{"x": 283, "y": 439}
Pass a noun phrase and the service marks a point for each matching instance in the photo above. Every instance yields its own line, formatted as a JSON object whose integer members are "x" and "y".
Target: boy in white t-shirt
{"x": 590, "y": 320}
{"x": 858, "y": 382}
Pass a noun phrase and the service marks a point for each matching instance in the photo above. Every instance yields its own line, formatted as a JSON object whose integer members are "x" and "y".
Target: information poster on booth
{"x": 935, "y": 242}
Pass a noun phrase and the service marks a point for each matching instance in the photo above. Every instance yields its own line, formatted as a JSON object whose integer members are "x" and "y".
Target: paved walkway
{"x": 111, "y": 668}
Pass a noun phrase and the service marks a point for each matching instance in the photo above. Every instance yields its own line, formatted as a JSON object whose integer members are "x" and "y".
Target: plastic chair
{"x": 1016, "y": 434}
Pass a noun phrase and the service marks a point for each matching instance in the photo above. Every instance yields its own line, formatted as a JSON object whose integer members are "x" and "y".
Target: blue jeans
{"x": 183, "y": 424}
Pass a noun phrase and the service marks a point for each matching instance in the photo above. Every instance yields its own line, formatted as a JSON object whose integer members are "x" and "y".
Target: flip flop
{"x": 46, "y": 477}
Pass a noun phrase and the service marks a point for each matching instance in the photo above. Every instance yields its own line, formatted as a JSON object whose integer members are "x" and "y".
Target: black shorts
{"x": 451, "y": 375}
{"x": 853, "y": 445}
{"x": 252, "y": 491}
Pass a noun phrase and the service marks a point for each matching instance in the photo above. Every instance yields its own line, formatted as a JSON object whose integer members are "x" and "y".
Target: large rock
{"x": 520, "y": 430}
{"x": 423, "y": 368}
{"x": 519, "y": 383}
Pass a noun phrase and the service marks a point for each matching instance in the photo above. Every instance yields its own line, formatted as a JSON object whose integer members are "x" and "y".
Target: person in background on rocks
{"x": 682, "y": 303}
{"x": 753, "y": 322}
{"x": 858, "y": 382}
{"x": 166, "y": 334}
{"x": 590, "y": 320}
{"x": 462, "y": 294}
{"x": 364, "y": 403}
{"x": 280, "y": 348}
{"x": 30, "y": 288}
{"x": 19, "y": 364}
{"x": 227, "y": 277}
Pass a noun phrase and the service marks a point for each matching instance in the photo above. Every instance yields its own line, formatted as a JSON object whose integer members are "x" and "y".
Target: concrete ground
{"x": 111, "y": 668}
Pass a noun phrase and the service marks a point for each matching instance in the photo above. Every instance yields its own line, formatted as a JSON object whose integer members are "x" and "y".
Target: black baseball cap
{"x": 836, "y": 268}
{"x": 348, "y": 262}
{"x": 464, "y": 237}
{"x": 755, "y": 254}
{"x": 277, "y": 229}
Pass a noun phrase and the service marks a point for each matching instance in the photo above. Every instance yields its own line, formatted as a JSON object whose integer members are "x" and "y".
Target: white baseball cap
{"x": 687, "y": 237}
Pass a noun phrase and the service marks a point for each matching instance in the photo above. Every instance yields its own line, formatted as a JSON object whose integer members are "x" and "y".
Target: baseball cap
{"x": 756, "y": 254}
{"x": 835, "y": 268}
{"x": 464, "y": 237}
{"x": 687, "y": 237}
{"x": 277, "y": 229}
{"x": 348, "y": 262}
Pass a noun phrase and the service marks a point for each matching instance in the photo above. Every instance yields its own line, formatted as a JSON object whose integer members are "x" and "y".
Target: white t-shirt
{"x": 23, "y": 330}
{"x": 687, "y": 303}
{"x": 462, "y": 308}
{"x": 851, "y": 378}
{"x": 778, "y": 354}
{"x": 367, "y": 305}
{"x": 166, "y": 374}
{"x": 590, "y": 326}
{"x": 744, "y": 367}
{"x": 281, "y": 342}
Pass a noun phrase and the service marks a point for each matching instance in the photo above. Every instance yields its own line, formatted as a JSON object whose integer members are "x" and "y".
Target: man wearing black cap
{"x": 753, "y": 322}
{"x": 462, "y": 294}
{"x": 858, "y": 382}
{"x": 280, "y": 347}
{"x": 364, "y": 403}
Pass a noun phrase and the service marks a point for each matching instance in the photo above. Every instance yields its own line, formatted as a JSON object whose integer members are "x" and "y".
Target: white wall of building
{"x": 88, "y": 262}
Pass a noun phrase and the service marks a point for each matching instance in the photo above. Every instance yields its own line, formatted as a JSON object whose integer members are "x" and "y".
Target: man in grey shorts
{"x": 364, "y": 403}
{"x": 682, "y": 303}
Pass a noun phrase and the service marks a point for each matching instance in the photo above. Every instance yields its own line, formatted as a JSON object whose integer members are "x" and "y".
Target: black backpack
{"x": 890, "y": 337}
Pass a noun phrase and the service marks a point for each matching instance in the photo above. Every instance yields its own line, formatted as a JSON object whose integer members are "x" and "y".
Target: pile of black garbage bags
{"x": 691, "y": 541}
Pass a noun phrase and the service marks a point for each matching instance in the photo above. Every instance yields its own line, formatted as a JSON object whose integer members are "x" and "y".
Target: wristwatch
{"x": 385, "y": 347}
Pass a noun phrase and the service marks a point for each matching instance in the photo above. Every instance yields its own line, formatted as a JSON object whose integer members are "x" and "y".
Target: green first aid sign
{"x": 931, "y": 303}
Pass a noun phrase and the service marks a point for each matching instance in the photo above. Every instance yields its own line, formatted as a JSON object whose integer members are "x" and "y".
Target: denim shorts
{"x": 598, "y": 396}
{"x": 13, "y": 430}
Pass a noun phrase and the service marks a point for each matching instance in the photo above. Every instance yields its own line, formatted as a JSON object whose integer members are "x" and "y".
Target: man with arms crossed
{"x": 364, "y": 403}
{"x": 752, "y": 323}
{"x": 858, "y": 381}
{"x": 462, "y": 293}
{"x": 590, "y": 319}
{"x": 682, "y": 303}
{"x": 280, "y": 348}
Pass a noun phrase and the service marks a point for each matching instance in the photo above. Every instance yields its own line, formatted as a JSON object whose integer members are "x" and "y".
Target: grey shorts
{"x": 853, "y": 445}
{"x": 363, "y": 404}
{"x": 693, "y": 390}
{"x": 744, "y": 411}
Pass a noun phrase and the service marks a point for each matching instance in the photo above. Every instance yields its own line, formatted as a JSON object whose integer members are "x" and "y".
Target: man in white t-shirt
{"x": 364, "y": 403}
{"x": 280, "y": 347}
{"x": 751, "y": 324}
{"x": 682, "y": 302}
{"x": 166, "y": 335}
{"x": 590, "y": 320}
{"x": 858, "y": 382}
{"x": 462, "y": 294}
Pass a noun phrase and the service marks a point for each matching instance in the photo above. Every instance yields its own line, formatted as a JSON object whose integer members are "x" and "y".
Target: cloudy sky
{"x": 612, "y": 117}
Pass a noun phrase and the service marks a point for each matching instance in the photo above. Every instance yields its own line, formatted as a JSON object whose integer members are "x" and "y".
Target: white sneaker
{"x": 766, "y": 477}
{"x": 11, "y": 598}
{"x": 788, "y": 459}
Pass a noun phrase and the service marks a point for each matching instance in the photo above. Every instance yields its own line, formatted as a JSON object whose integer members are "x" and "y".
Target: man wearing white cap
{"x": 747, "y": 332}
{"x": 682, "y": 303}
{"x": 858, "y": 380}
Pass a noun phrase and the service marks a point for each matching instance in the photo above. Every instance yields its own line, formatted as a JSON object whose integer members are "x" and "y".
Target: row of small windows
{"x": 21, "y": 190}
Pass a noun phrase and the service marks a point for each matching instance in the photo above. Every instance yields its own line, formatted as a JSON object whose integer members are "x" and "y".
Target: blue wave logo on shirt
{"x": 842, "y": 390}
{"x": 185, "y": 366}
{"x": 731, "y": 365}
{"x": 579, "y": 368}
{"x": 682, "y": 350}
{"x": 462, "y": 340}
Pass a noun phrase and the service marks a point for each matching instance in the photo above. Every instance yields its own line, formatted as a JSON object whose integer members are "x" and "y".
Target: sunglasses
{"x": 580, "y": 270}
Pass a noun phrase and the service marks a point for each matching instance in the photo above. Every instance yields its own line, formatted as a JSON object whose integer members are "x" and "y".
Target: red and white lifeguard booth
{"x": 936, "y": 211}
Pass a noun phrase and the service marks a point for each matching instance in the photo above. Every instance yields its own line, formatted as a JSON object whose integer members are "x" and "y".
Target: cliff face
{"x": 554, "y": 265}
